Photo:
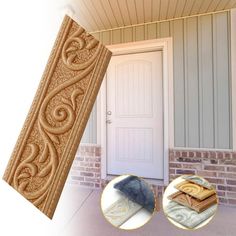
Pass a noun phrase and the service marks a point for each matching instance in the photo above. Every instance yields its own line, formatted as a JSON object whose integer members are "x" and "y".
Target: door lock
{"x": 108, "y": 121}
{"x": 109, "y": 113}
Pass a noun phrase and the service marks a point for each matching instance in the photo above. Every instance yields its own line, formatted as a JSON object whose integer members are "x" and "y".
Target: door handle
{"x": 109, "y": 113}
{"x": 108, "y": 121}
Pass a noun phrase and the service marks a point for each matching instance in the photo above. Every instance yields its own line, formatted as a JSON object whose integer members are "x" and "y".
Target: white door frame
{"x": 233, "y": 75}
{"x": 164, "y": 45}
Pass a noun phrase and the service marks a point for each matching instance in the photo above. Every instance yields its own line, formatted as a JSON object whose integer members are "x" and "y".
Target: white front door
{"x": 135, "y": 115}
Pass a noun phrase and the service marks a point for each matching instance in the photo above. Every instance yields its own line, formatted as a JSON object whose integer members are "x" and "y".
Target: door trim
{"x": 233, "y": 76}
{"x": 165, "y": 45}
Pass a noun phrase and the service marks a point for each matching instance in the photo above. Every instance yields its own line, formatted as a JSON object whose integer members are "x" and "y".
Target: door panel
{"x": 133, "y": 88}
{"x": 135, "y": 115}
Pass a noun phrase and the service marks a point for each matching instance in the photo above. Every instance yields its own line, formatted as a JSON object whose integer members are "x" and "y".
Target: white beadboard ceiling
{"x": 96, "y": 15}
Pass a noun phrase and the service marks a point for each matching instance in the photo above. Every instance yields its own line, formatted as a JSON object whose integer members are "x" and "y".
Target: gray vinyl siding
{"x": 221, "y": 81}
{"x": 90, "y": 133}
{"x": 202, "y": 98}
{"x": 206, "y": 81}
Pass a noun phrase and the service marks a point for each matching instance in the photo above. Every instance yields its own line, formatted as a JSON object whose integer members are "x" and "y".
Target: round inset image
{"x": 190, "y": 202}
{"x": 128, "y": 202}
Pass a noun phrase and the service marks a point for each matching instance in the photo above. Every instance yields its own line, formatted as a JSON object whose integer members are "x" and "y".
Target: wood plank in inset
{"x": 195, "y": 190}
{"x": 198, "y": 180}
{"x": 193, "y": 203}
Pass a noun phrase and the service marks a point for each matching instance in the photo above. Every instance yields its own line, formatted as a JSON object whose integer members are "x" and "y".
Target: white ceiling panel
{"x": 156, "y": 6}
{"x": 164, "y": 9}
{"x": 97, "y": 15}
{"x": 148, "y": 10}
{"x": 172, "y": 8}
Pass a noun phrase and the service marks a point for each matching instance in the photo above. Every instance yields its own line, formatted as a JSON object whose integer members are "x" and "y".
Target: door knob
{"x": 109, "y": 113}
{"x": 108, "y": 121}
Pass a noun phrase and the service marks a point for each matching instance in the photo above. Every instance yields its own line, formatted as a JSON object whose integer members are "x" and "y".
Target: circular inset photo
{"x": 190, "y": 202}
{"x": 128, "y": 202}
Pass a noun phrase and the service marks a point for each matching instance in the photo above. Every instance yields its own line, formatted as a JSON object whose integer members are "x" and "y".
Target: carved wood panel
{"x": 60, "y": 110}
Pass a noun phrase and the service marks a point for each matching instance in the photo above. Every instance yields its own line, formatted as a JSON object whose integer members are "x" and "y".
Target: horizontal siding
{"x": 202, "y": 97}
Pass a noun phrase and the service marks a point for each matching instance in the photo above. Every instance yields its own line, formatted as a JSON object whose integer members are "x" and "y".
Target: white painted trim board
{"x": 233, "y": 74}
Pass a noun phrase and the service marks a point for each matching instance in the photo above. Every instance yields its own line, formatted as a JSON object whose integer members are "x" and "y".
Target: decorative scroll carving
{"x": 79, "y": 51}
{"x": 121, "y": 210}
{"x": 198, "y": 180}
{"x": 186, "y": 216}
{"x": 63, "y": 104}
{"x": 195, "y": 190}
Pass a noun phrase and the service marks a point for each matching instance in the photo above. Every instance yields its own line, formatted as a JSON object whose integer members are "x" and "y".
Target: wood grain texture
{"x": 47, "y": 144}
{"x": 195, "y": 190}
{"x": 193, "y": 203}
{"x": 198, "y": 180}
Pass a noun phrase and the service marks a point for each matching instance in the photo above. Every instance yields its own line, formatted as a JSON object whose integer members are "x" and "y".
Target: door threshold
{"x": 159, "y": 182}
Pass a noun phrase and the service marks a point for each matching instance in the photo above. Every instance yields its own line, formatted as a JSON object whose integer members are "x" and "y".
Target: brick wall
{"x": 86, "y": 167}
{"x": 218, "y": 167}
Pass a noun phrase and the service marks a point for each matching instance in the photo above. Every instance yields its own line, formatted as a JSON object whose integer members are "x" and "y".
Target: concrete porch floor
{"x": 79, "y": 213}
